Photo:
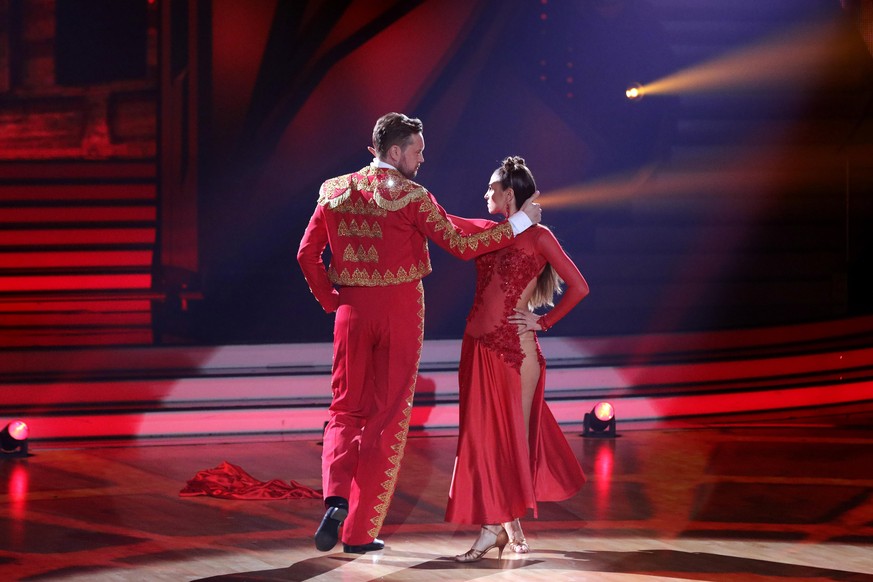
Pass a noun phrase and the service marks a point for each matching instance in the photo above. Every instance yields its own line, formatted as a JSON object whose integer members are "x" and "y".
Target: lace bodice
{"x": 506, "y": 280}
{"x": 501, "y": 282}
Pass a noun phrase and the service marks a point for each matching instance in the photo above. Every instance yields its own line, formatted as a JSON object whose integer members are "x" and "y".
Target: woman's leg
{"x": 530, "y": 377}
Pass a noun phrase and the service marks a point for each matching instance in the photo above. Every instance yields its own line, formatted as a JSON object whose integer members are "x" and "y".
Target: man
{"x": 377, "y": 222}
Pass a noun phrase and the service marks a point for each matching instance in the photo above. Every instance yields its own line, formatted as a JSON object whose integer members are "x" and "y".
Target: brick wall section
{"x": 41, "y": 120}
{"x": 78, "y": 193}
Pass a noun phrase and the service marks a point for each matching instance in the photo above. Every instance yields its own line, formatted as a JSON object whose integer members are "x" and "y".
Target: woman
{"x": 511, "y": 451}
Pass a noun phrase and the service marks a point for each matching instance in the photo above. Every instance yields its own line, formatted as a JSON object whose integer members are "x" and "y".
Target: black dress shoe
{"x": 327, "y": 533}
{"x": 373, "y": 546}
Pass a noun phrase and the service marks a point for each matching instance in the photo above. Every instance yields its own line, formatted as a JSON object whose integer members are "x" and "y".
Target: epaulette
{"x": 335, "y": 191}
{"x": 392, "y": 191}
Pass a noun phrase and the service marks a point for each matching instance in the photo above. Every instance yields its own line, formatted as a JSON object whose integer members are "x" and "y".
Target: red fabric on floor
{"x": 228, "y": 481}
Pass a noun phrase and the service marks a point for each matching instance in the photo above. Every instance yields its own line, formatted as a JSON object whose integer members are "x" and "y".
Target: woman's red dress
{"x": 498, "y": 476}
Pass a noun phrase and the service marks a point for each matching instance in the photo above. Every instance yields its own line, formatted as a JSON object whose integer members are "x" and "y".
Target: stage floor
{"x": 722, "y": 503}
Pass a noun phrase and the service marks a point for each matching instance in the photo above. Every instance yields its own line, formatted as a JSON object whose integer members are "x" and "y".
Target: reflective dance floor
{"x": 739, "y": 503}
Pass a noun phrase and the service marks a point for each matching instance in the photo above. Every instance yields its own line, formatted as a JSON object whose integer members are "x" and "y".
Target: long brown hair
{"x": 513, "y": 173}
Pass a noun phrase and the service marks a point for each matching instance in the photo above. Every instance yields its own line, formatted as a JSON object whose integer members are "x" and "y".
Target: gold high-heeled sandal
{"x": 475, "y": 553}
{"x": 517, "y": 543}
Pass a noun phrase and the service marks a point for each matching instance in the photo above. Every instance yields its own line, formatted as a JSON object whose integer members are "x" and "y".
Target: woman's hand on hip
{"x": 525, "y": 320}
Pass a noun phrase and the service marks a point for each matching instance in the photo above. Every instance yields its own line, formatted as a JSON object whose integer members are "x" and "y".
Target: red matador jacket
{"x": 377, "y": 223}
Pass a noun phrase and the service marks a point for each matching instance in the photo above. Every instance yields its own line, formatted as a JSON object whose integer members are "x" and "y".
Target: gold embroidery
{"x": 401, "y": 435}
{"x": 361, "y": 208}
{"x": 404, "y": 198}
{"x": 360, "y": 277}
{"x": 370, "y": 255}
{"x": 360, "y": 181}
{"x": 460, "y": 241}
{"x": 349, "y": 254}
{"x": 391, "y": 192}
{"x": 334, "y": 192}
{"x": 361, "y": 230}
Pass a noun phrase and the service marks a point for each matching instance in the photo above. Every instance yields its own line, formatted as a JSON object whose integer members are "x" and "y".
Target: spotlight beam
{"x": 785, "y": 59}
{"x": 768, "y": 169}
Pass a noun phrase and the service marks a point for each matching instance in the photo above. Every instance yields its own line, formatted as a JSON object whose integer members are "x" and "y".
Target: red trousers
{"x": 378, "y": 336}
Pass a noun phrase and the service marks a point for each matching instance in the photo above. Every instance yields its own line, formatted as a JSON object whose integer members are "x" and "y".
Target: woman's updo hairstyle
{"x": 513, "y": 173}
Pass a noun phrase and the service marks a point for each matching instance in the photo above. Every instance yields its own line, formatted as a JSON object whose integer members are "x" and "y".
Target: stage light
{"x": 13, "y": 439}
{"x": 600, "y": 422}
{"x": 634, "y": 92}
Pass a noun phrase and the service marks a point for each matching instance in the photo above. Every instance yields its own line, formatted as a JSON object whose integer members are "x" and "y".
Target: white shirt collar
{"x": 380, "y": 164}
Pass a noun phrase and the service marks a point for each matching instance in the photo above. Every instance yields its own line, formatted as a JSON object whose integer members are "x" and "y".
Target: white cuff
{"x": 520, "y": 222}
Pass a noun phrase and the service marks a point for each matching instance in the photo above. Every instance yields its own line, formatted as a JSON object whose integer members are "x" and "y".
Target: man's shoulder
{"x": 393, "y": 191}
{"x": 334, "y": 191}
{"x": 390, "y": 189}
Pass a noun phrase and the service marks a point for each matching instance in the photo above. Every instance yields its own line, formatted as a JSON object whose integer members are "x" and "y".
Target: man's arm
{"x": 471, "y": 225}
{"x": 467, "y": 238}
{"x": 433, "y": 221}
{"x": 309, "y": 256}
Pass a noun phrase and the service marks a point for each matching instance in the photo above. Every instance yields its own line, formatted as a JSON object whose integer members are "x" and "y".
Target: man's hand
{"x": 532, "y": 209}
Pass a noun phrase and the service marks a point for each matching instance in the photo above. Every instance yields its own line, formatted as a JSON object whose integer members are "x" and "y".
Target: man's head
{"x": 398, "y": 140}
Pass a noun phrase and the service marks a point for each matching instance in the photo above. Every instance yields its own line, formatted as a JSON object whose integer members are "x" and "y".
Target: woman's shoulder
{"x": 543, "y": 238}
{"x": 541, "y": 231}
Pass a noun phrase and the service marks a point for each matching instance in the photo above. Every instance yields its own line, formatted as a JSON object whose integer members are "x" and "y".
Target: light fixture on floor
{"x": 600, "y": 422}
{"x": 13, "y": 439}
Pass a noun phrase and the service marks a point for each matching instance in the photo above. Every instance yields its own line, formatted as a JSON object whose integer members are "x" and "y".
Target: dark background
{"x": 159, "y": 159}
{"x": 547, "y": 81}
